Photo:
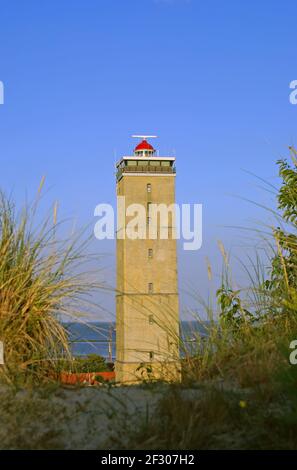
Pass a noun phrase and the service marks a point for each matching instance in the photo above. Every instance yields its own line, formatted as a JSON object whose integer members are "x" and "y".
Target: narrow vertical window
{"x": 150, "y": 253}
{"x": 148, "y": 213}
{"x": 151, "y": 319}
{"x": 150, "y": 287}
{"x": 151, "y": 355}
{"x": 149, "y": 188}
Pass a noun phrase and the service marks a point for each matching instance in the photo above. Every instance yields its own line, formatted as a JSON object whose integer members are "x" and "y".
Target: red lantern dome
{"x": 144, "y": 145}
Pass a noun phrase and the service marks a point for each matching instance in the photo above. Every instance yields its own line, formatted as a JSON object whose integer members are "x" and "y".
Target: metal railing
{"x": 145, "y": 169}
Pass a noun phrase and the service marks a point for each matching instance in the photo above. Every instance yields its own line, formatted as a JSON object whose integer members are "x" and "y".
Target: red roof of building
{"x": 144, "y": 145}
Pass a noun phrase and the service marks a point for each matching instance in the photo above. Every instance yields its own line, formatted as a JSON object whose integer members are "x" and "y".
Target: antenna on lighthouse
{"x": 144, "y": 137}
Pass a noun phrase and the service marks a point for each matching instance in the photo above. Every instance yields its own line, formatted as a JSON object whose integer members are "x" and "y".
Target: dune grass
{"x": 42, "y": 281}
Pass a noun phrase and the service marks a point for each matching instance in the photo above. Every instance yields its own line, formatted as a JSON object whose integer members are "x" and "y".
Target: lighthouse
{"x": 147, "y": 307}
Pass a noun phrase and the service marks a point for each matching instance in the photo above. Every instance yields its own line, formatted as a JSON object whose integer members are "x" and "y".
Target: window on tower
{"x": 150, "y": 288}
{"x": 148, "y": 213}
{"x": 149, "y": 188}
{"x": 151, "y": 355}
{"x": 150, "y": 253}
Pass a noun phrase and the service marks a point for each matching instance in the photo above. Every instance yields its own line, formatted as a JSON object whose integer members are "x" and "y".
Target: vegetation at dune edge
{"x": 40, "y": 281}
{"x": 241, "y": 369}
{"x": 238, "y": 387}
{"x": 90, "y": 363}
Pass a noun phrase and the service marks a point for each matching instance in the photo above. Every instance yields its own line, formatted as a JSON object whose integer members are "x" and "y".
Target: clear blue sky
{"x": 210, "y": 78}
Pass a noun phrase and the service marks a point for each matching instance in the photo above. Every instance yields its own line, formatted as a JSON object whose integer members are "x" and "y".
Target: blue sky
{"x": 211, "y": 79}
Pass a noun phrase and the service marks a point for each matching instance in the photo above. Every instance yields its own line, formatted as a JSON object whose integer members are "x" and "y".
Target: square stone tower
{"x": 147, "y": 310}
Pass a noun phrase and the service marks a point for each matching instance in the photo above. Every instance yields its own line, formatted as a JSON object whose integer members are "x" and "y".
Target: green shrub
{"x": 90, "y": 363}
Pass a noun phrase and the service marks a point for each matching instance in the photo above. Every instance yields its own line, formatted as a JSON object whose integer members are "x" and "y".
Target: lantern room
{"x": 144, "y": 149}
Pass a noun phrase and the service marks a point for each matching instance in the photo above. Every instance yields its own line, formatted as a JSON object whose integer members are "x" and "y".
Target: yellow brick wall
{"x": 146, "y": 322}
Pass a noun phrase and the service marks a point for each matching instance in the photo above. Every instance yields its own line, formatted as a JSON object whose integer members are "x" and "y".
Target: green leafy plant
{"x": 282, "y": 283}
{"x": 232, "y": 313}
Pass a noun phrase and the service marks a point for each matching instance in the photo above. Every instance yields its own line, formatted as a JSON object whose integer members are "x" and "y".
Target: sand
{"x": 73, "y": 418}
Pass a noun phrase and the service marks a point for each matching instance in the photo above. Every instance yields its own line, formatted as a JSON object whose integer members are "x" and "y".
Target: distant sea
{"x": 100, "y": 337}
